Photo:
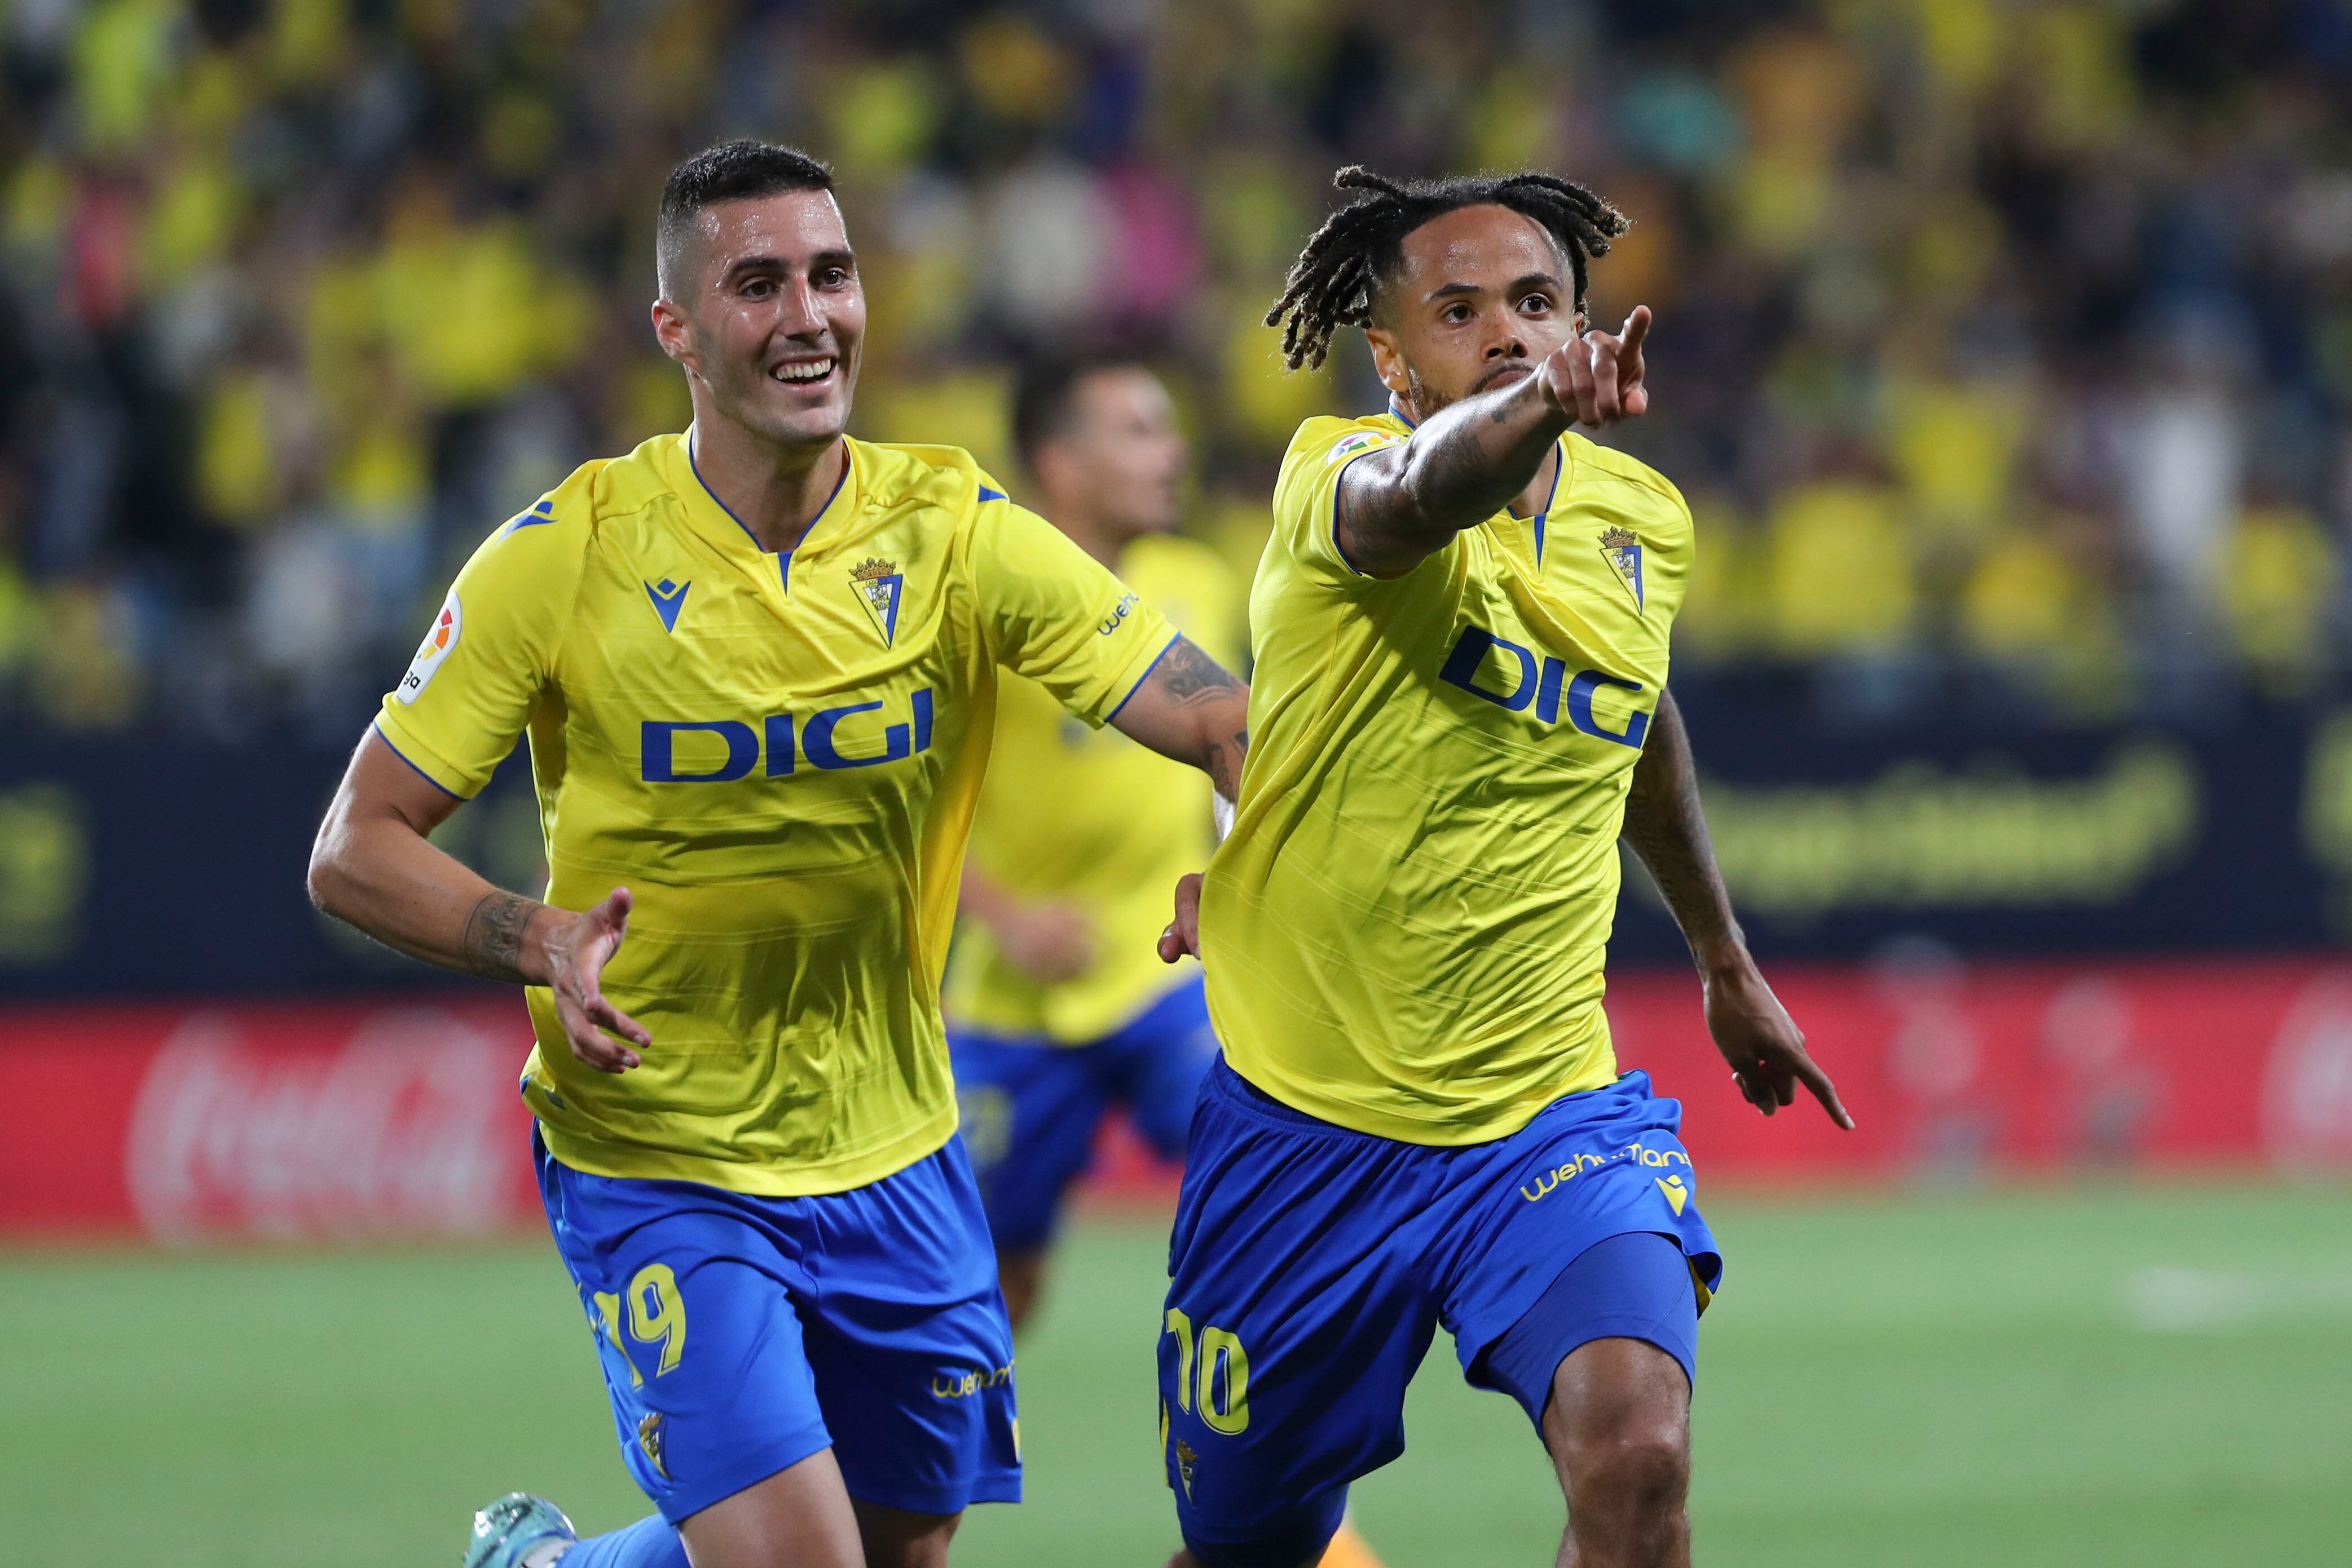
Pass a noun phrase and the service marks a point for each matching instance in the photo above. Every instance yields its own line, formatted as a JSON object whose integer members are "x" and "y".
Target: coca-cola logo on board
{"x": 405, "y": 1127}
{"x": 2308, "y": 1086}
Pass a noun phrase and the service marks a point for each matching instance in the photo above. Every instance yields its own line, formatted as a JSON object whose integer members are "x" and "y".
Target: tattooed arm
{"x": 1189, "y": 708}
{"x": 1667, "y": 828}
{"x": 373, "y": 867}
{"x": 1466, "y": 461}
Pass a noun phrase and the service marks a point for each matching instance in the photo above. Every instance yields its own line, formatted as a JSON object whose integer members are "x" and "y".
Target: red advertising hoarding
{"x": 319, "y": 1121}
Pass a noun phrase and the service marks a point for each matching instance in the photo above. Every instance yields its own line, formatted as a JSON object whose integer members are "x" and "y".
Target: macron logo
{"x": 668, "y": 598}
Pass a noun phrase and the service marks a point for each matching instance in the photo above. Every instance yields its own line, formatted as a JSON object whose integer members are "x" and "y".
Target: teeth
{"x": 813, "y": 372}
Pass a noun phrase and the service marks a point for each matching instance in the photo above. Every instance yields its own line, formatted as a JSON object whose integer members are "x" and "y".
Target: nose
{"x": 1508, "y": 346}
{"x": 800, "y": 312}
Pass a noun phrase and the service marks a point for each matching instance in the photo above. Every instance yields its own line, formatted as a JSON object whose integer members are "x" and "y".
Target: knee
{"x": 1642, "y": 1466}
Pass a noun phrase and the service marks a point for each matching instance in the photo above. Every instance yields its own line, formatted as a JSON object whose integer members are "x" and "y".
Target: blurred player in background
{"x": 1057, "y": 1008}
{"x": 757, "y": 664}
{"x": 1462, "y": 626}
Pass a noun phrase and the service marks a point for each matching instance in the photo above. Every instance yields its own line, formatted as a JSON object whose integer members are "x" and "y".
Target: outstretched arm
{"x": 1668, "y": 831}
{"x": 373, "y": 868}
{"x": 1399, "y": 505}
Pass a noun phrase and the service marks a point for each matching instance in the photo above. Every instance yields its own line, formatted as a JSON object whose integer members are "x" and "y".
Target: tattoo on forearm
{"x": 1225, "y": 763}
{"x": 492, "y": 942}
{"x": 1185, "y": 673}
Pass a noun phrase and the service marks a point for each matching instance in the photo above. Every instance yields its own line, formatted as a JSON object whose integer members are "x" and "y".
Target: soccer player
{"x": 757, "y": 665}
{"x": 1459, "y": 706}
{"x": 1057, "y": 1007}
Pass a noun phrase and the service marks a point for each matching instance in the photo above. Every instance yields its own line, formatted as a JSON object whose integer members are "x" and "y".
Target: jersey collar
{"x": 712, "y": 518}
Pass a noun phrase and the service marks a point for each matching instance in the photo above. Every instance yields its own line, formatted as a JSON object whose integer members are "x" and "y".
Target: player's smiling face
{"x": 1482, "y": 296}
{"x": 773, "y": 333}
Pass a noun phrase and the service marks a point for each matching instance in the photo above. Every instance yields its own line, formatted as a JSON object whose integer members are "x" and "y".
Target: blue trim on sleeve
{"x": 1144, "y": 677}
{"x": 1339, "y": 549}
{"x": 987, "y": 494}
{"x": 428, "y": 778}
{"x": 542, "y": 510}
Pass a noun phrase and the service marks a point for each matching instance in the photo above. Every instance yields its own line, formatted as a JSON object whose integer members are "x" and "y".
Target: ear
{"x": 675, "y": 332}
{"x": 1388, "y": 361}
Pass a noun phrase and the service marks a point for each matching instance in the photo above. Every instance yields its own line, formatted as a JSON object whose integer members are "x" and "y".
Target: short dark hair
{"x": 1360, "y": 247}
{"x": 741, "y": 170}
{"x": 1045, "y": 393}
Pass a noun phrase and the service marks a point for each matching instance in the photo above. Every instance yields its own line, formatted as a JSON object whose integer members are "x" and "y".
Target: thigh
{"x": 1155, "y": 1065}
{"x": 1029, "y": 1111}
{"x": 797, "y": 1517}
{"x": 1297, "y": 1314}
{"x": 1635, "y": 1286}
{"x": 700, "y": 1344}
{"x": 908, "y": 1338}
{"x": 1588, "y": 1168}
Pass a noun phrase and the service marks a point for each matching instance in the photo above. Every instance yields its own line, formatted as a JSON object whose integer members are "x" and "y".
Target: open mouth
{"x": 806, "y": 373}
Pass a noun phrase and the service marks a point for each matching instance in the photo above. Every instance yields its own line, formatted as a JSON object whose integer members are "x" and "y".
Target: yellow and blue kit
{"x": 1419, "y": 1118}
{"x": 778, "y": 755}
{"x": 1089, "y": 819}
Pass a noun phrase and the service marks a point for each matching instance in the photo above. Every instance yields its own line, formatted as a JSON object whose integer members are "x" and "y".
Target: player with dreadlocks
{"x": 1461, "y": 628}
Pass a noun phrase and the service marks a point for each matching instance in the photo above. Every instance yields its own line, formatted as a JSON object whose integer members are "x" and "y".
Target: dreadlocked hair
{"x": 1332, "y": 283}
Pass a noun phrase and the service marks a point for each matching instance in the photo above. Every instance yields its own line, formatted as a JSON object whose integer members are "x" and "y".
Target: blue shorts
{"x": 1031, "y": 1108}
{"x": 1311, "y": 1265}
{"x": 739, "y": 1335}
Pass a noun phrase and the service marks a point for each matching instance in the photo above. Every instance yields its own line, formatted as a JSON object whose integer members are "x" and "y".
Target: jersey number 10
{"x": 1224, "y": 1374}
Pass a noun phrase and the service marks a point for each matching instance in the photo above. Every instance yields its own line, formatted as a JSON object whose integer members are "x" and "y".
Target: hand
{"x": 1047, "y": 943}
{"x": 1763, "y": 1043}
{"x": 577, "y": 952}
{"x": 1596, "y": 379}
{"x": 1184, "y": 932}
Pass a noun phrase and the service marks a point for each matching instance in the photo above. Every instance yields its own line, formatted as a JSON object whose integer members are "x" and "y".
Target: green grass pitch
{"x": 2132, "y": 1375}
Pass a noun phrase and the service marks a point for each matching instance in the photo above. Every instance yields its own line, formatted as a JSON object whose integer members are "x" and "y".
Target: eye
{"x": 1536, "y": 305}
{"x": 759, "y": 288}
{"x": 833, "y": 277}
{"x": 1455, "y": 313}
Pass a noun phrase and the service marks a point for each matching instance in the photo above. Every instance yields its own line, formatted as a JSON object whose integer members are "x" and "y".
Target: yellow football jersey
{"x": 1088, "y": 817}
{"x": 1405, "y": 933}
{"x": 779, "y": 756}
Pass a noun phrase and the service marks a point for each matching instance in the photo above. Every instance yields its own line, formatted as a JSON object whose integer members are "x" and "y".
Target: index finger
{"x": 1637, "y": 327}
{"x": 1810, "y": 1073}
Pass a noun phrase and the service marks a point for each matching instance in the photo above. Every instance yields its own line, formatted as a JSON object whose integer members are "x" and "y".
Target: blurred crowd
{"x": 2004, "y": 348}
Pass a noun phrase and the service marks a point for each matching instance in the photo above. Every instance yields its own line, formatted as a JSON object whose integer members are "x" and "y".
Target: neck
{"x": 1538, "y": 494}
{"x": 775, "y": 491}
{"x": 1089, "y": 534}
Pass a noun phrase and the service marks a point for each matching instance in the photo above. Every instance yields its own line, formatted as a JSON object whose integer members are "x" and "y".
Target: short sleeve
{"x": 487, "y": 656}
{"x": 1058, "y": 615}
{"x": 1306, "y": 494}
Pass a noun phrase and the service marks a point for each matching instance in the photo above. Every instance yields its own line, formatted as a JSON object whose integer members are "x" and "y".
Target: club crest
{"x": 1186, "y": 1463}
{"x": 878, "y": 585}
{"x": 1622, "y": 550}
{"x": 649, "y": 1438}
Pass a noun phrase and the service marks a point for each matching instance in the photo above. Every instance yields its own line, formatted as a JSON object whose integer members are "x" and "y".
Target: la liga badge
{"x": 432, "y": 650}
